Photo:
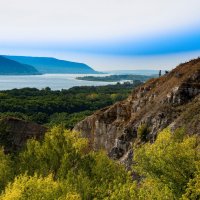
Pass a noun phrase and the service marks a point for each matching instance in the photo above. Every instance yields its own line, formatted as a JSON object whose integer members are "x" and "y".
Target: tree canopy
{"x": 62, "y": 166}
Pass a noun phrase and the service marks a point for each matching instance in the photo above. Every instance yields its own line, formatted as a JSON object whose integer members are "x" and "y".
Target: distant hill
{"x": 11, "y": 67}
{"x": 48, "y": 65}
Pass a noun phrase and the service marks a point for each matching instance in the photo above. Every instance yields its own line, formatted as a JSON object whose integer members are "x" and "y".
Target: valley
{"x": 122, "y": 141}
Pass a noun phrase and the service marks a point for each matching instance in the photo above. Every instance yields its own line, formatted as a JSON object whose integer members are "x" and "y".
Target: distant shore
{"x": 116, "y": 78}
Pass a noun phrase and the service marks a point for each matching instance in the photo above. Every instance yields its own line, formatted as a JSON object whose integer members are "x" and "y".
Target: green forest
{"x": 66, "y": 107}
{"x": 63, "y": 167}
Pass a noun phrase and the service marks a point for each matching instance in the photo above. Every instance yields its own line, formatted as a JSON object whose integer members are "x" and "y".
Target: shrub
{"x": 33, "y": 188}
{"x": 143, "y": 132}
{"x": 6, "y": 171}
{"x": 171, "y": 161}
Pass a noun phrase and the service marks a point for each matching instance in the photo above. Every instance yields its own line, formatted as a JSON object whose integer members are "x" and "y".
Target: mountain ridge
{"x": 11, "y": 67}
{"x": 50, "y": 65}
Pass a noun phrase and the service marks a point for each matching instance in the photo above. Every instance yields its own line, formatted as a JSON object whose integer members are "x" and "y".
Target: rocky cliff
{"x": 172, "y": 100}
{"x": 15, "y": 132}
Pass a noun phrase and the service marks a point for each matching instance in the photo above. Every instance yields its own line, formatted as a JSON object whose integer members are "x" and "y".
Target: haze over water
{"x": 54, "y": 81}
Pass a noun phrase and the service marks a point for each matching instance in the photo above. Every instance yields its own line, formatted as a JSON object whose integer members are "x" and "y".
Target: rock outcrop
{"x": 15, "y": 132}
{"x": 171, "y": 100}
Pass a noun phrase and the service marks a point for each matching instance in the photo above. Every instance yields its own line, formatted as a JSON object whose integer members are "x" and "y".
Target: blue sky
{"x": 106, "y": 34}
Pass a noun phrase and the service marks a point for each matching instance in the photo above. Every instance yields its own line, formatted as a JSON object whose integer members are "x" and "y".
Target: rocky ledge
{"x": 15, "y": 132}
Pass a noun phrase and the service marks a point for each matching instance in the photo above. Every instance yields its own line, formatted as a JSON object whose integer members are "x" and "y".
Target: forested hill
{"x": 11, "y": 67}
{"x": 47, "y": 65}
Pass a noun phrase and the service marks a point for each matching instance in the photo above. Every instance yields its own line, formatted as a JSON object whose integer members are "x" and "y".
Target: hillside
{"x": 10, "y": 67}
{"x": 47, "y": 65}
{"x": 171, "y": 100}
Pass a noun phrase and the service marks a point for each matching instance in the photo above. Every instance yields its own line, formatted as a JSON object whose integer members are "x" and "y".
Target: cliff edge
{"x": 172, "y": 100}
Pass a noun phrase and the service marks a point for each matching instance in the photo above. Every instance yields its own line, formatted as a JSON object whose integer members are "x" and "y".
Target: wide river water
{"x": 54, "y": 81}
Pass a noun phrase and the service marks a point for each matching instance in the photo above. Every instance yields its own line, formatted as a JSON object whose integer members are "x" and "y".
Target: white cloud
{"x": 75, "y": 21}
{"x": 93, "y": 19}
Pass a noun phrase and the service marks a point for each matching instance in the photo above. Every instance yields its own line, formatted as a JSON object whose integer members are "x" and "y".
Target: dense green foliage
{"x": 115, "y": 78}
{"x": 6, "y": 172}
{"x": 63, "y": 167}
{"x": 65, "y": 107}
{"x": 171, "y": 165}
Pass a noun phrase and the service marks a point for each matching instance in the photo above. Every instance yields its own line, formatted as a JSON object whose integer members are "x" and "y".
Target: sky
{"x": 105, "y": 34}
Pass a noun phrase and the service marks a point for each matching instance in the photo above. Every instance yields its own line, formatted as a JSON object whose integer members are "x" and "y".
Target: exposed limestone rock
{"x": 158, "y": 103}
